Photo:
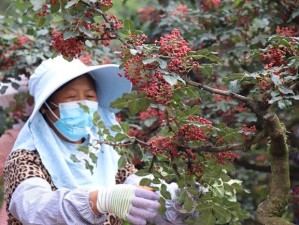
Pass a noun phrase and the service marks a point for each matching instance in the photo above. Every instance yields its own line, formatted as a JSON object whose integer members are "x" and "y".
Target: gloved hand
{"x": 132, "y": 203}
{"x": 175, "y": 213}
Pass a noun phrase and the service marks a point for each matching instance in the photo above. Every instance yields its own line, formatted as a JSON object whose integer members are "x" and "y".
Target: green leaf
{"x": 119, "y": 103}
{"x": 15, "y": 85}
{"x": 137, "y": 105}
{"x": 276, "y": 80}
{"x": 22, "y": 6}
{"x": 162, "y": 157}
{"x": 172, "y": 80}
{"x": 85, "y": 31}
{"x": 88, "y": 166}
{"x": 142, "y": 173}
{"x": 83, "y": 149}
{"x": 84, "y": 107}
{"x": 145, "y": 182}
{"x": 69, "y": 34}
{"x": 207, "y": 218}
{"x": 71, "y": 3}
{"x": 93, "y": 157}
{"x": 116, "y": 128}
{"x": 233, "y": 76}
{"x": 188, "y": 203}
{"x": 162, "y": 63}
{"x": 285, "y": 90}
{"x": 235, "y": 223}
{"x": 164, "y": 192}
{"x": 74, "y": 158}
{"x": 55, "y": 7}
{"x": 195, "y": 110}
{"x": 206, "y": 70}
{"x": 137, "y": 32}
{"x": 280, "y": 41}
{"x": 275, "y": 99}
{"x": 295, "y": 97}
{"x": 222, "y": 214}
{"x": 3, "y": 89}
{"x": 125, "y": 127}
{"x": 294, "y": 15}
{"x": 122, "y": 162}
{"x": 162, "y": 208}
{"x": 129, "y": 26}
{"x": 39, "y": 20}
{"x": 120, "y": 137}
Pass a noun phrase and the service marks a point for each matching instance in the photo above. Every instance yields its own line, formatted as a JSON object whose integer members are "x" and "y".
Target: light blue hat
{"x": 53, "y": 73}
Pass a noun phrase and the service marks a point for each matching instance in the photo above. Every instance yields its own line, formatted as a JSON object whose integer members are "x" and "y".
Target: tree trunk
{"x": 269, "y": 212}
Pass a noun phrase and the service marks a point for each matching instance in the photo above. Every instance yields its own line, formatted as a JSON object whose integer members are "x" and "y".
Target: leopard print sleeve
{"x": 19, "y": 166}
{"x": 23, "y": 164}
{"x": 123, "y": 173}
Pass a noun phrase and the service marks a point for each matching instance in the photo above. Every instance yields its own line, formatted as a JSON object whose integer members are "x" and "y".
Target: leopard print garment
{"x": 22, "y": 164}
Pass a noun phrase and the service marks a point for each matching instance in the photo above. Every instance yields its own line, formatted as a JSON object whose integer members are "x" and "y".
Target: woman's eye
{"x": 91, "y": 95}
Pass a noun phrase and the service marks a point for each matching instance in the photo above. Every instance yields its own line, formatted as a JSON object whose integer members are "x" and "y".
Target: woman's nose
{"x": 81, "y": 96}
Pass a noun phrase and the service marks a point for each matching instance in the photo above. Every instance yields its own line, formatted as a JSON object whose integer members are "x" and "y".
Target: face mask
{"x": 74, "y": 123}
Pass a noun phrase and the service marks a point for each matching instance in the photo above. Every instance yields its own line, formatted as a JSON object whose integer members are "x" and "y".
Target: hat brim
{"x": 109, "y": 85}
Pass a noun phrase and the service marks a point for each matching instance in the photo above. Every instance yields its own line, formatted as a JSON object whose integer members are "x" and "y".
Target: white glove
{"x": 129, "y": 202}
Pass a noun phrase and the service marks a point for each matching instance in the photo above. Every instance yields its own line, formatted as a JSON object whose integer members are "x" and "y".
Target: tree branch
{"x": 248, "y": 101}
{"x": 270, "y": 210}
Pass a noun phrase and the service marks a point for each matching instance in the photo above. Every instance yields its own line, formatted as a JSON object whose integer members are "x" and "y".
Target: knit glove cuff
{"x": 116, "y": 200}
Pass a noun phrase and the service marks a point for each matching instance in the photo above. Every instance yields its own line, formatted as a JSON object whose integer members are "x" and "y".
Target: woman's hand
{"x": 128, "y": 202}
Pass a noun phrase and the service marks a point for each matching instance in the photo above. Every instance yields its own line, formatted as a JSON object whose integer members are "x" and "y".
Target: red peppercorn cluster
{"x": 43, "y": 11}
{"x": 174, "y": 48}
{"x": 138, "y": 133}
{"x": 152, "y": 113}
{"x": 209, "y": 4}
{"x": 149, "y": 14}
{"x": 138, "y": 39}
{"x": 287, "y": 31}
{"x": 6, "y": 62}
{"x": 191, "y": 132}
{"x": 199, "y": 119}
{"x": 106, "y": 3}
{"x": 163, "y": 145}
{"x": 223, "y": 157}
{"x": 86, "y": 58}
{"x": 247, "y": 131}
{"x": 134, "y": 69}
{"x": 157, "y": 89}
{"x": 8, "y": 54}
{"x": 195, "y": 168}
{"x": 22, "y": 40}
{"x": 194, "y": 131}
{"x": 71, "y": 47}
{"x": 180, "y": 10}
{"x": 190, "y": 154}
{"x": 115, "y": 23}
{"x": 274, "y": 57}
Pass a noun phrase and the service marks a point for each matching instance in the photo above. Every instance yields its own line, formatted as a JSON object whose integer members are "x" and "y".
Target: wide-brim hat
{"x": 52, "y": 73}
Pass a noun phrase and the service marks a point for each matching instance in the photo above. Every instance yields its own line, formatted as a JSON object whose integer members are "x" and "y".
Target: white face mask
{"x": 74, "y": 123}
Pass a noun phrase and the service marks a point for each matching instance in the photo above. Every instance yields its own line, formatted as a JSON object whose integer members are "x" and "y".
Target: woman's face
{"x": 78, "y": 89}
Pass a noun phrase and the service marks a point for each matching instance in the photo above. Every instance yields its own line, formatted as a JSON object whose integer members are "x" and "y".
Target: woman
{"x": 43, "y": 185}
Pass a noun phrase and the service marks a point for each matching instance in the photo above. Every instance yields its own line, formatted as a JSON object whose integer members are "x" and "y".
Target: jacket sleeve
{"x": 33, "y": 202}
{"x": 32, "y": 198}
